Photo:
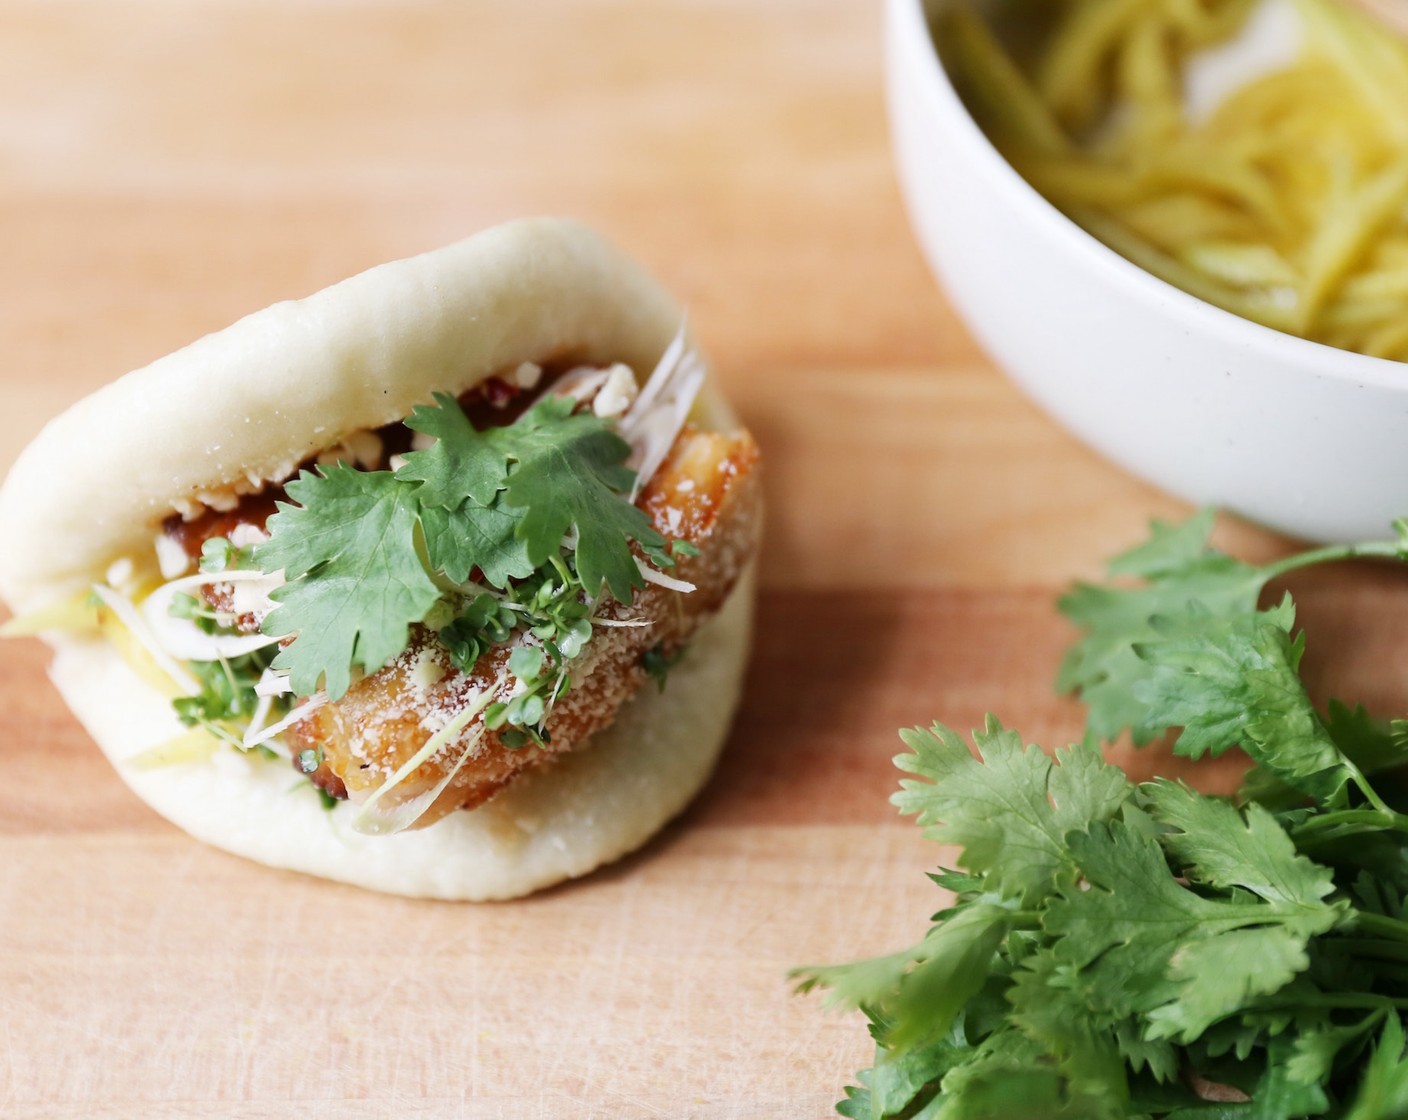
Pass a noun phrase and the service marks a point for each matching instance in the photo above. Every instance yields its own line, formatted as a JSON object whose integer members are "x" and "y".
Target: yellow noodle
{"x": 1000, "y": 93}
{"x": 1287, "y": 205}
{"x": 1067, "y": 74}
{"x": 1345, "y": 232}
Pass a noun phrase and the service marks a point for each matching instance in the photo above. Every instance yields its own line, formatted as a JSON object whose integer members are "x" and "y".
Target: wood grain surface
{"x": 166, "y": 167}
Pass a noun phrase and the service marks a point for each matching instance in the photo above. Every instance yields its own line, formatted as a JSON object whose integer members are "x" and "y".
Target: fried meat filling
{"x": 706, "y": 494}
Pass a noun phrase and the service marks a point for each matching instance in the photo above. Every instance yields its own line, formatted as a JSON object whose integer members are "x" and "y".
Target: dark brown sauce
{"x": 495, "y": 402}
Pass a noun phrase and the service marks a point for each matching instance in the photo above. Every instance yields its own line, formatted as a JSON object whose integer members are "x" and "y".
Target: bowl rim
{"x": 1317, "y": 358}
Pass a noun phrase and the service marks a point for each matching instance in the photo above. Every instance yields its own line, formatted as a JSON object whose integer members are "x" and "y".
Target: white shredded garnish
{"x": 660, "y": 579}
{"x": 171, "y": 558}
{"x": 127, "y": 614}
{"x": 253, "y": 596}
{"x": 373, "y": 821}
{"x": 366, "y": 448}
{"x": 360, "y": 449}
{"x": 661, "y": 373}
{"x": 255, "y": 736}
{"x": 654, "y": 421}
{"x": 581, "y": 383}
{"x": 623, "y": 623}
{"x": 402, "y": 816}
{"x": 181, "y": 637}
{"x": 120, "y": 572}
{"x": 426, "y": 671}
{"x": 244, "y": 535}
{"x": 205, "y": 579}
{"x": 257, "y": 720}
{"x": 273, "y": 683}
{"x": 617, "y": 393}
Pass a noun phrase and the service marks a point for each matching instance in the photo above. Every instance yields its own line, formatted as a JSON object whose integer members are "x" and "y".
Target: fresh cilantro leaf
{"x": 1224, "y": 847}
{"x": 1011, "y": 1076}
{"x": 1158, "y": 1056}
{"x": 1009, "y": 812}
{"x": 1048, "y": 1008}
{"x": 1315, "y": 1051}
{"x": 356, "y": 582}
{"x": 539, "y": 509}
{"x": 1218, "y": 976}
{"x": 571, "y": 474}
{"x": 1383, "y": 1095}
{"x": 472, "y": 536}
{"x": 1235, "y": 681}
{"x": 859, "y": 1104}
{"x": 899, "y": 1081}
{"x": 1372, "y": 746}
{"x": 554, "y": 471}
{"x": 1156, "y": 943}
{"x": 1170, "y": 549}
{"x": 1278, "y": 1096}
{"x": 936, "y": 977}
{"x": 1121, "y": 927}
{"x": 462, "y": 463}
{"x": 1189, "y": 579}
{"x": 1370, "y": 743}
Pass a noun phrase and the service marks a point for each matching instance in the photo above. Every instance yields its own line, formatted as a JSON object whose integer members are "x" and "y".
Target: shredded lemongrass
{"x": 622, "y": 623}
{"x": 126, "y": 613}
{"x": 195, "y": 745}
{"x": 373, "y": 822}
{"x": 256, "y": 736}
{"x": 73, "y": 612}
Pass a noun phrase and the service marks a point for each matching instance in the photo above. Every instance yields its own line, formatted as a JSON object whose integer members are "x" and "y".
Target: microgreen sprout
{"x": 657, "y": 663}
{"x": 217, "y": 554}
{"x": 226, "y": 693}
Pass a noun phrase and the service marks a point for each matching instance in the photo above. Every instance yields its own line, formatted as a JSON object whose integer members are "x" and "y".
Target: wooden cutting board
{"x": 167, "y": 167}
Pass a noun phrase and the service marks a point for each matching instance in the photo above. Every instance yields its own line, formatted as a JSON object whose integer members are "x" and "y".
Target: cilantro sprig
{"x": 1112, "y": 950}
{"x": 543, "y": 502}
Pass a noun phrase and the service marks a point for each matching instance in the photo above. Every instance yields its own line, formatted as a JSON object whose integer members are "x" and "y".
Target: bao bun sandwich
{"x": 435, "y": 582}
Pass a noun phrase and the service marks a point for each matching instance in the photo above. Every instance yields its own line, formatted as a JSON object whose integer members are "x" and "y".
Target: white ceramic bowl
{"x": 1301, "y": 437}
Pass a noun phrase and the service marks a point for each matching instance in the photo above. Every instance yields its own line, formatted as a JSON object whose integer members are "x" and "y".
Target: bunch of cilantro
{"x": 484, "y": 536}
{"x": 1115, "y": 950}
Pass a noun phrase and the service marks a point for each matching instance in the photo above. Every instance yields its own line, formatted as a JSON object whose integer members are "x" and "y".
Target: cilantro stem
{"x": 561, "y": 565}
{"x": 1381, "y": 925}
{"x": 1354, "y": 821}
{"x": 1384, "y": 550}
{"x": 1387, "y": 550}
{"x": 1396, "y": 821}
{"x": 1373, "y": 947}
{"x": 1366, "y": 1000}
